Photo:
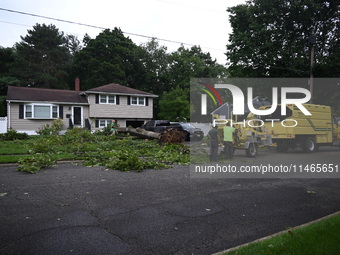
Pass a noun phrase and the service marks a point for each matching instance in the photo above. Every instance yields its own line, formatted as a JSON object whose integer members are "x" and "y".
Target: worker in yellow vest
{"x": 228, "y": 141}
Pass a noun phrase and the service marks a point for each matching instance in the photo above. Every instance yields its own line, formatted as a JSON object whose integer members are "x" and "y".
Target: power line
{"x": 12, "y": 23}
{"x": 99, "y": 27}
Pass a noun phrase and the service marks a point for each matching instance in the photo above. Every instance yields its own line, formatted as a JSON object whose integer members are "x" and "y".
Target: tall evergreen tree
{"x": 42, "y": 58}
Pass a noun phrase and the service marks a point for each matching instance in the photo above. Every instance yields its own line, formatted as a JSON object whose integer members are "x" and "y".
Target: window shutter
{"x": 87, "y": 124}
{"x": 97, "y": 123}
{"x": 128, "y": 100}
{"x": 97, "y": 99}
{"x": 21, "y": 111}
{"x": 117, "y": 100}
{"x": 61, "y": 112}
{"x": 147, "y": 101}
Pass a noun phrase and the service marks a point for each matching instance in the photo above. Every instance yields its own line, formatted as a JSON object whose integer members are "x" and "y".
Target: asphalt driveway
{"x": 71, "y": 209}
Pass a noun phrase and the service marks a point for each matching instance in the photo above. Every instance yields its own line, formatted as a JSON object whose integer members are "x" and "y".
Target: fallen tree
{"x": 170, "y": 135}
{"x": 139, "y": 132}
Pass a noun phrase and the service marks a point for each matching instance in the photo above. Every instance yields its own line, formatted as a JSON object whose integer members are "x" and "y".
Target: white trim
{"x": 107, "y": 99}
{"x": 8, "y": 115}
{"x": 46, "y": 102}
{"x": 107, "y": 122}
{"x": 138, "y": 104}
{"x": 81, "y": 116}
{"x": 33, "y": 105}
{"x": 120, "y": 94}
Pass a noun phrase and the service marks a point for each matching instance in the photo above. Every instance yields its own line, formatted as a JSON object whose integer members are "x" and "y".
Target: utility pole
{"x": 312, "y": 42}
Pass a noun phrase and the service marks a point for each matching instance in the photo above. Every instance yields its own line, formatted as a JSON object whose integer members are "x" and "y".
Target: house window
{"x": 54, "y": 112}
{"x": 138, "y": 101}
{"x": 107, "y": 99}
{"x": 104, "y": 123}
{"x": 29, "y": 111}
{"x": 38, "y": 111}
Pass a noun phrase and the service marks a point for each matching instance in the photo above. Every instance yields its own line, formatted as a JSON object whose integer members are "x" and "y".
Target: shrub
{"x": 13, "y": 135}
{"x": 46, "y": 145}
{"x": 79, "y": 135}
{"x": 53, "y": 129}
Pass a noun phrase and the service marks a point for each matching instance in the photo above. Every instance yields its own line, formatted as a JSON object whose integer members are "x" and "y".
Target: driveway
{"x": 71, "y": 209}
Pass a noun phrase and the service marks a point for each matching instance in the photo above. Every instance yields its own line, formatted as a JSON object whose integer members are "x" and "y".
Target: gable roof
{"x": 119, "y": 90}
{"x": 26, "y": 94}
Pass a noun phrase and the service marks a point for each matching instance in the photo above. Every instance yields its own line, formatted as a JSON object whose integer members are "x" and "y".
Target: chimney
{"x": 77, "y": 84}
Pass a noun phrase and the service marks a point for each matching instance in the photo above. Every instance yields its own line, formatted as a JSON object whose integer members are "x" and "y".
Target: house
{"x": 29, "y": 109}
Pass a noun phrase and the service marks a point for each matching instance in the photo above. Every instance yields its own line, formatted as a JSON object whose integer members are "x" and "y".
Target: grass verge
{"x": 322, "y": 238}
{"x": 114, "y": 152}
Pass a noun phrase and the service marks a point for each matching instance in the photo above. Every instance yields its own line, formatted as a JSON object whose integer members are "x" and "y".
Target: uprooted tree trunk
{"x": 141, "y": 133}
{"x": 171, "y": 136}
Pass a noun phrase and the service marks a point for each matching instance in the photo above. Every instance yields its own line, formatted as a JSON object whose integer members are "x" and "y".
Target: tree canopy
{"x": 270, "y": 38}
{"x": 109, "y": 58}
{"x": 42, "y": 58}
{"x": 274, "y": 38}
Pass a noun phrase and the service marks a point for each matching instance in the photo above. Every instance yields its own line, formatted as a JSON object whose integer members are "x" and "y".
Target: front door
{"x": 77, "y": 116}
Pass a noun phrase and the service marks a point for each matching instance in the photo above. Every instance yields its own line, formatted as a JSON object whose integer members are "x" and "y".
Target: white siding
{"x": 32, "y": 125}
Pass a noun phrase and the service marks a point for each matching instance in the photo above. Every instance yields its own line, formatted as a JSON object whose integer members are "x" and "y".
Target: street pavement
{"x": 71, "y": 209}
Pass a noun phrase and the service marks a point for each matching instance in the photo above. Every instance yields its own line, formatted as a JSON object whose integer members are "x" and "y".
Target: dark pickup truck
{"x": 159, "y": 126}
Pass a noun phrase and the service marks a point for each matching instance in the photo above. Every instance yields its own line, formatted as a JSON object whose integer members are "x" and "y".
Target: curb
{"x": 276, "y": 234}
{"x": 58, "y": 162}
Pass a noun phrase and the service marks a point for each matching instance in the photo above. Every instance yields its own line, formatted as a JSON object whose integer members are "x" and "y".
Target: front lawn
{"x": 321, "y": 238}
{"x": 123, "y": 153}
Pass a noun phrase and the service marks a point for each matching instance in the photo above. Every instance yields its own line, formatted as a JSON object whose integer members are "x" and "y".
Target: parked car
{"x": 159, "y": 125}
{"x": 191, "y": 132}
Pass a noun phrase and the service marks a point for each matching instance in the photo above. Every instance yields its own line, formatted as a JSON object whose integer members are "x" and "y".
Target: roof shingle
{"x": 119, "y": 89}
{"x": 45, "y": 95}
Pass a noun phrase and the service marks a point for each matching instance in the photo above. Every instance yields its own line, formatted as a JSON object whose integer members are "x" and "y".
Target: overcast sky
{"x": 198, "y": 22}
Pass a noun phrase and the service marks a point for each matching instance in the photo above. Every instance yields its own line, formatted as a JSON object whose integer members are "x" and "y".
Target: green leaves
{"x": 110, "y": 57}
{"x": 175, "y": 104}
{"x": 123, "y": 153}
{"x": 35, "y": 163}
{"x": 140, "y": 156}
{"x": 270, "y": 37}
{"x": 43, "y": 58}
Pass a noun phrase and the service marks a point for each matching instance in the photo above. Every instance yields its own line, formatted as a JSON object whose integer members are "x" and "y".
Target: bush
{"x": 53, "y": 129}
{"x": 78, "y": 135}
{"x": 46, "y": 145}
{"x": 13, "y": 135}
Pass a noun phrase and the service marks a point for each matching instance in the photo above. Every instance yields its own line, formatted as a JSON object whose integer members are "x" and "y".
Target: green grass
{"x": 120, "y": 153}
{"x": 11, "y": 158}
{"x": 15, "y": 147}
{"x": 321, "y": 238}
